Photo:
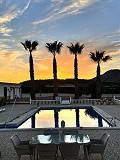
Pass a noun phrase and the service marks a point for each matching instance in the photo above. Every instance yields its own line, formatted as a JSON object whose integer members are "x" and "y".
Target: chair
{"x": 69, "y": 151}
{"x": 51, "y": 131}
{"x": 21, "y": 147}
{"x": 98, "y": 145}
{"x": 46, "y": 151}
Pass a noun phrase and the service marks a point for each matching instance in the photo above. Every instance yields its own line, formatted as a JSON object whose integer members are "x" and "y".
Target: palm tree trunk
{"x": 55, "y": 77}
{"x": 98, "y": 82}
{"x": 76, "y": 77}
{"x": 32, "y": 84}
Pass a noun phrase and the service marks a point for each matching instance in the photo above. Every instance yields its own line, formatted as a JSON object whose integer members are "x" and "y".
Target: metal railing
{"x": 10, "y": 111}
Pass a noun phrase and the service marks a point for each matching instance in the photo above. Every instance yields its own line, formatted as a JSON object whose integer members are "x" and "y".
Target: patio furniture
{"x": 98, "y": 145}
{"x": 80, "y": 139}
{"x": 46, "y": 151}
{"x": 69, "y": 151}
{"x": 21, "y": 147}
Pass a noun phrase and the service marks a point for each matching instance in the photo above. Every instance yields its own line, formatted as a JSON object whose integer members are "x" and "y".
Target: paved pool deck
{"x": 8, "y": 153}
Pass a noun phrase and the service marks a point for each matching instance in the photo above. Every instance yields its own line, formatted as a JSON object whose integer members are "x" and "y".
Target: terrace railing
{"x": 84, "y": 101}
{"x": 44, "y": 102}
{"x": 59, "y": 101}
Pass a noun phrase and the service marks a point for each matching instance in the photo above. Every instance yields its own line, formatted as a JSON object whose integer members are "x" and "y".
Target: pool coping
{"x": 112, "y": 120}
{"x": 19, "y": 120}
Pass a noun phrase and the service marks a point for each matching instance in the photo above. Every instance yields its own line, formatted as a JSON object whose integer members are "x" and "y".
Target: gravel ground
{"x": 112, "y": 151}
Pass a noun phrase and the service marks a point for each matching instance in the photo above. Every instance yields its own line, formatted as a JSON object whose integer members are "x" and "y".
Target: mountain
{"x": 111, "y": 76}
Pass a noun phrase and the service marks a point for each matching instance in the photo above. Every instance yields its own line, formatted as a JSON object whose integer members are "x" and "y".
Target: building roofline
{"x": 10, "y": 83}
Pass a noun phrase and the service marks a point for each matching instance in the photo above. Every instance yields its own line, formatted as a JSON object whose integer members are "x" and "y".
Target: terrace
{"x": 8, "y": 152}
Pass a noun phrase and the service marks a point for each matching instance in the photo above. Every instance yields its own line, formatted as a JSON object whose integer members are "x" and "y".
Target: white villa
{"x": 10, "y": 90}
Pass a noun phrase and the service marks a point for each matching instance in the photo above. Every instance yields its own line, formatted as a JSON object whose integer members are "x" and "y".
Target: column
{"x": 100, "y": 124}
{"x": 33, "y": 121}
{"x": 77, "y": 117}
{"x": 56, "y": 117}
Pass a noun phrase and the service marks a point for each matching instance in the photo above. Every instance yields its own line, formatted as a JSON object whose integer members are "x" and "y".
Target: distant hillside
{"x": 111, "y": 76}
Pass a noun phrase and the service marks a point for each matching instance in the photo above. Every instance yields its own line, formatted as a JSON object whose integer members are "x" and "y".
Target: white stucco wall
{"x": 1, "y": 90}
{"x": 11, "y": 89}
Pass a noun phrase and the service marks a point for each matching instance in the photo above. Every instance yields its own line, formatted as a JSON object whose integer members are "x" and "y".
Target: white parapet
{"x": 116, "y": 101}
{"x": 65, "y": 101}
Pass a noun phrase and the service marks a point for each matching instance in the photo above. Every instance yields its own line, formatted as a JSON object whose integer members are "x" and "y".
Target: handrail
{"x": 116, "y": 101}
{"x": 11, "y": 111}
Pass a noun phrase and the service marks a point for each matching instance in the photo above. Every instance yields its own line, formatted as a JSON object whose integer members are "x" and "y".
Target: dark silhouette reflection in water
{"x": 81, "y": 138}
{"x": 93, "y": 114}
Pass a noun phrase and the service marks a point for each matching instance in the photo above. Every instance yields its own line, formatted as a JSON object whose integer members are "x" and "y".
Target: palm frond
{"x": 24, "y": 45}
{"x": 34, "y": 45}
{"x": 97, "y": 54}
{"x": 80, "y": 48}
{"x": 106, "y": 58}
{"x": 93, "y": 56}
{"x": 28, "y": 44}
{"x": 76, "y": 48}
{"x": 54, "y": 45}
{"x": 49, "y": 47}
{"x": 71, "y": 49}
{"x": 101, "y": 54}
{"x": 72, "y": 45}
{"x": 59, "y": 45}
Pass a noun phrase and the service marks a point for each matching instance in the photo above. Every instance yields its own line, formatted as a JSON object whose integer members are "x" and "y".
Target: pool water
{"x": 87, "y": 118}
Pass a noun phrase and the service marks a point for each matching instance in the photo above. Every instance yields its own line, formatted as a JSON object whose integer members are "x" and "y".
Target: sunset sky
{"x": 95, "y": 23}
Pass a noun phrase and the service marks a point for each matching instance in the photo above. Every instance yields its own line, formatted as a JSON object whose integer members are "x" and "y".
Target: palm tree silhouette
{"x": 98, "y": 57}
{"x": 91, "y": 113}
{"x": 54, "y": 48}
{"x": 31, "y": 46}
{"x": 76, "y": 49}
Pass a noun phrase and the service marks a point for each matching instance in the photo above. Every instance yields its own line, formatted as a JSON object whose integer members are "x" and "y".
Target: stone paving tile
{"x": 16, "y": 111}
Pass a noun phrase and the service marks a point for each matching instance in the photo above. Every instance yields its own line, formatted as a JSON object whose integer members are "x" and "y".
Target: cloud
{"x": 1, "y": 1}
{"x": 3, "y": 46}
{"x": 25, "y": 8}
{"x": 5, "y": 30}
{"x": 63, "y": 8}
{"x": 43, "y": 20}
{"x": 12, "y": 12}
{"x": 12, "y": 67}
{"x": 114, "y": 34}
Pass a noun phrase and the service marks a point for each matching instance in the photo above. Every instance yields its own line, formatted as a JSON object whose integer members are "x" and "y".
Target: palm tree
{"x": 31, "y": 46}
{"x": 54, "y": 48}
{"x": 76, "y": 49}
{"x": 98, "y": 57}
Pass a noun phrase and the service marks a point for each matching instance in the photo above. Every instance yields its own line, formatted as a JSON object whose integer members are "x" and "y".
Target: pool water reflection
{"x": 87, "y": 118}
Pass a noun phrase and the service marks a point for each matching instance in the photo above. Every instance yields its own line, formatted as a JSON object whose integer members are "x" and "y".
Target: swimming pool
{"x": 87, "y": 118}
